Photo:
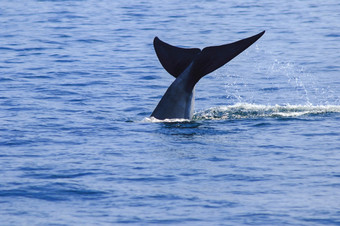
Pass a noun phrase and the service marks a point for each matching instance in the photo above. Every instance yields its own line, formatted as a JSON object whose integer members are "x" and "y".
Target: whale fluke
{"x": 188, "y": 66}
{"x": 214, "y": 57}
{"x": 174, "y": 59}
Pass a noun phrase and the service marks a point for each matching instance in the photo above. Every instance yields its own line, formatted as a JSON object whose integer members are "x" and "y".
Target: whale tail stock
{"x": 175, "y": 59}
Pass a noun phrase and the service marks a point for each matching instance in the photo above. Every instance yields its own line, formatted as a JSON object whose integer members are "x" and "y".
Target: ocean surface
{"x": 79, "y": 80}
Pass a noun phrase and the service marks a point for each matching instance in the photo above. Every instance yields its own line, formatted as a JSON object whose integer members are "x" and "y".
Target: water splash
{"x": 278, "y": 81}
{"x": 253, "y": 111}
{"x": 245, "y": 110}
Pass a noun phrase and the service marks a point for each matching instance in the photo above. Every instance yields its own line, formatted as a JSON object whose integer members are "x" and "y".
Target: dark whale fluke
{"x": 188, "y": 66}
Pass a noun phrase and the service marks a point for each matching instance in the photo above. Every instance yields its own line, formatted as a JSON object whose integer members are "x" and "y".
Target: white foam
{"x": 245, "y": 110}
{"x": 154, "y": 120}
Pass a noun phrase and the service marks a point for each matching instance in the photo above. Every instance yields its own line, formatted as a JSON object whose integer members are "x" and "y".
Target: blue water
{"x": 79, "y": 79}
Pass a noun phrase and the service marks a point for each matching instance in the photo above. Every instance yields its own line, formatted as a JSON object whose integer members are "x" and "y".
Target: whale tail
{"x": 175, "y": 59}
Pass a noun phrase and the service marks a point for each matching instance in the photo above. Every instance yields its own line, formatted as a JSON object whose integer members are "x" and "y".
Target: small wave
{"x": 245, "y": 110}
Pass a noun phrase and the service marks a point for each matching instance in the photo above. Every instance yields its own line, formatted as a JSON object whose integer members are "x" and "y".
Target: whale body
{"x": 188, "y": 66}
